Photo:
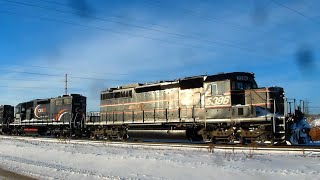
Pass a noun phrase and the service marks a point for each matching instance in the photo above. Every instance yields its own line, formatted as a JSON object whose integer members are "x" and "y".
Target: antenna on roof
{"x": 66, "y": 85}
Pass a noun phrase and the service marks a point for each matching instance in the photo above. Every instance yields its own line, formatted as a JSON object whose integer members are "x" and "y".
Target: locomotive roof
{"x": 48, "y": 99}
{"x": 202, "y": 78}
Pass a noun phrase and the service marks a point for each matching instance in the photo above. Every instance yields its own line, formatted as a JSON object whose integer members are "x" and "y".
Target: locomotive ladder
{"x": 278, "y": 125}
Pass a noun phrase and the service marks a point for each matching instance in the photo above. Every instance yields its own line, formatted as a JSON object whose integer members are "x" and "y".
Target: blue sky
{"x": 143, "y": 40}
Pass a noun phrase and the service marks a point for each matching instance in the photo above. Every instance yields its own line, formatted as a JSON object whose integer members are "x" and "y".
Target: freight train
{"x": 221, "y": 108}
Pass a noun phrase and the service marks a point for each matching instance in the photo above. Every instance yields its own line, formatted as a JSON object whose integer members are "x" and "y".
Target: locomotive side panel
{"x": 61, "y": 109}
{"x": 148, "y": 104}
{"x": 190, "y": 104}
{"x": 218, "y": 100}
{"x": 263, "y": 100}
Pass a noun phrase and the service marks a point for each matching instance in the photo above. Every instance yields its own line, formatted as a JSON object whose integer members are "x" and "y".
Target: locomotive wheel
{"x": 243, "y": 141}
{"x": 107, "y": 137}
{"x": 231, "y": 139}
{"x": 122, "y": 137}
{"x": 196, "y": 134}
{"x": 214, "y": 140}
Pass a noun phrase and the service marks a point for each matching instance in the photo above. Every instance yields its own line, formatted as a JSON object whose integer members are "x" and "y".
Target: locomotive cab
{"x": 239, "y": 109}
{"x": 238, "y": 86}
{"x": 21, "y": 111}
{"x": 258, "y": 101}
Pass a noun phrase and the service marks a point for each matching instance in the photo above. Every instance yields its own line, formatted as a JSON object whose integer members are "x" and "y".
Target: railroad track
{"x": 304, "y": 150}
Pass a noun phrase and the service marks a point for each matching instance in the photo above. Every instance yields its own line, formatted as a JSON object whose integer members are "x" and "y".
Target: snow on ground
{"x": 315, "y": 123}
{"x": 56, "y": 160}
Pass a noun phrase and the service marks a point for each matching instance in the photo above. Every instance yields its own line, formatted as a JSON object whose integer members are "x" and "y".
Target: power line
{"x": 206, "y": 18}
{"x": 103, "y": 29}
{"x": 157, "y": 3}
{"x": 35, "y": 73}
{"x": 70, "y": 76}
{"x": 227, "y": 44}
{"x": 101, "y": 79}
{"x": 13, "y": 79}
{"x": 187, "y": 11}
{"x": 32, "y": 87}
{"x": 113, "y": 16}
{"x": 66, "y": 69}
{"x": 295, "y": 11}
{"x": 215, "y": 19}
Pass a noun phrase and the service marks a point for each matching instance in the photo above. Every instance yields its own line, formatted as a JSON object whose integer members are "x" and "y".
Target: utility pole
{"x": 66, "y": 85}
{"x": 307, "y": 103}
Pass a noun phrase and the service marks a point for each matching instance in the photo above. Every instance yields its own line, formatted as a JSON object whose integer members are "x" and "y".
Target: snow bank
{"x": 53, "y": 160}
{"x": 315, "y": 123}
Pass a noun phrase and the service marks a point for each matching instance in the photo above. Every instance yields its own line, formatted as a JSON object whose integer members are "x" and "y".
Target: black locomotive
{"x": 227, "y": 107}
{"x": 63, "y": 115}
{"x": 6, "y": 117}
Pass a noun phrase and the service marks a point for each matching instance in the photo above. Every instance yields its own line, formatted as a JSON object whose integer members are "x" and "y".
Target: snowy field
{"x": 60, "y": 160}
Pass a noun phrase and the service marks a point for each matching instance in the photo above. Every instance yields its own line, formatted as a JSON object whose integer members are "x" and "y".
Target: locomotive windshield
{"x": 243, "y": 82}
{"x": 17, "y": 109}
{"x": 244, "y": 85}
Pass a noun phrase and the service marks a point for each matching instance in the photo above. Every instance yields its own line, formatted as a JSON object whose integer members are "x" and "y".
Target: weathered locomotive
{"x": 225, "y": 107}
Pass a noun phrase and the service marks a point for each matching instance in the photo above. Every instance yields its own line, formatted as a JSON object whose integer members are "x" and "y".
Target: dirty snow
{"x": 60, "y": 160}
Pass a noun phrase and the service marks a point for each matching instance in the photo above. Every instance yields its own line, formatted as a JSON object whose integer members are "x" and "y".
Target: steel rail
{"x": 177, "y": 145}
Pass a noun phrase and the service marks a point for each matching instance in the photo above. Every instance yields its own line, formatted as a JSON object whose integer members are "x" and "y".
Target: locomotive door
{"x": 29, "y": 110}
{"x": 198, "y": 104}
{"x": 29, "y": 113}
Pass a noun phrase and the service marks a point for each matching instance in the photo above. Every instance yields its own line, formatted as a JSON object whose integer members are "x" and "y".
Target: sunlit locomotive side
{"x": 53, "y": 116}
{"x": 225, "y": 107}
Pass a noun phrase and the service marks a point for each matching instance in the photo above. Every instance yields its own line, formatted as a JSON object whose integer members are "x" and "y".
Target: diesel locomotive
{"x": 63, "y": 115}
{"x": 221, "y": 108}
{"x": 226, "y": 107}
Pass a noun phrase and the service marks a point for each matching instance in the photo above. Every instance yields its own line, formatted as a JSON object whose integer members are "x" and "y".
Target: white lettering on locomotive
{"x": 218, "y": 100}
{"x": 242, "y": 78}
{"x": 42, "y": 110}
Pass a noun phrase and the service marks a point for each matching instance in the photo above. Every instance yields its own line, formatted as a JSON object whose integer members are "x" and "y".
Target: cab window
{"x": 218, "y": 88}
{"x": 67, "y": 101}
{"x": 214, "y": 89}
{"x": 241, "y": 85}
{"x": 59, "y": 102}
